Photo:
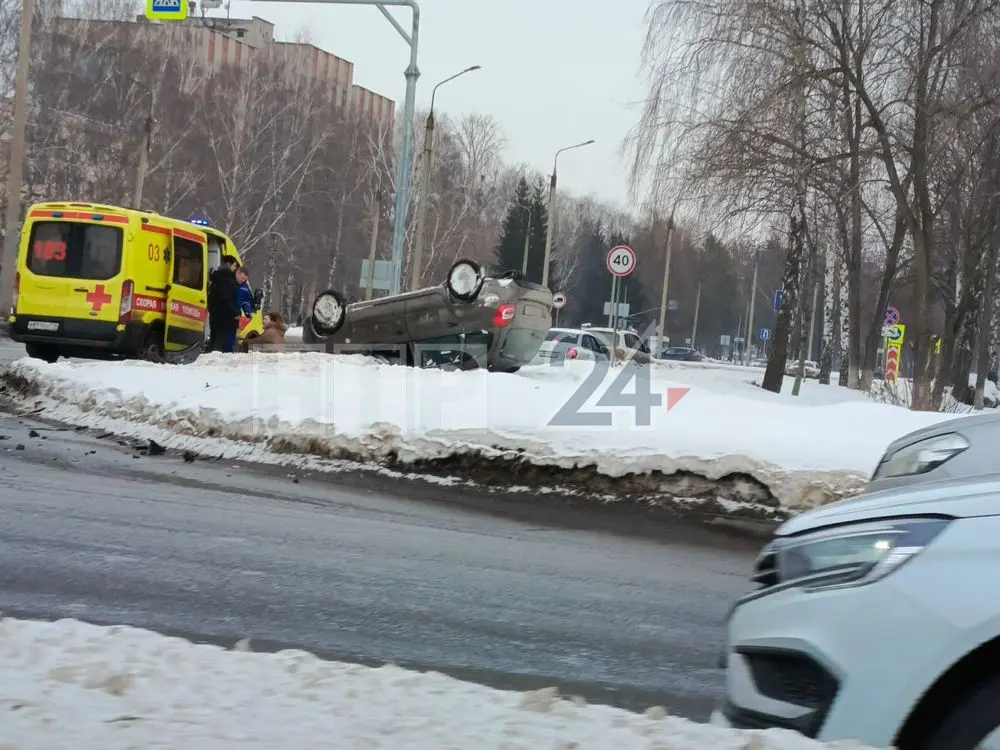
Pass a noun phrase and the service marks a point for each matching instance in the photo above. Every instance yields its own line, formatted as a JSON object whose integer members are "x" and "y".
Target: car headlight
{"x": 851, "y": 555}
{"x": 921, "y": 457}
{"x": 465, "y": 280}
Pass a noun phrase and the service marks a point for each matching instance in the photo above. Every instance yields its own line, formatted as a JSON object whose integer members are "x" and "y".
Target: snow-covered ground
{"x": 72, "y": 685}
{"x": 806, "y": 450}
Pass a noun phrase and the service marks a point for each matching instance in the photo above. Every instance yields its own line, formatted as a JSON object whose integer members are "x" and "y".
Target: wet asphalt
{"x": 372, "y": 572}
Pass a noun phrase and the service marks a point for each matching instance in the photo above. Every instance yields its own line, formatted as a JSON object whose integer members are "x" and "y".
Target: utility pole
{"x": 527, "y": 246}
{"x": 552, "y": 210}
{"x": 664, "y": 302}
{"x": 697, "y": 309}
{"x": 147, "y": 143}
{"x": 427, "y": 159}
{"x": 376, "y": 211}
{"x": 753, "y": 300}
{"x": 15, "y": 178}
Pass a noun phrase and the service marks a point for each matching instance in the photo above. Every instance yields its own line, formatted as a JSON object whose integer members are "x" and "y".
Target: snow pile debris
{"x": 72, "y": 685}
{"x": 713, "y": 426}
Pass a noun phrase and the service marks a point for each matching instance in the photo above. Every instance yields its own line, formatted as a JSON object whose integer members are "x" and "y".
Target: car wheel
{"x": 974, "y": 724}
{"x": 465, "y": 280}
{"x": 328, "y": 313}
{"x": 152, "y": 347}
{"x": 46, "y": 352}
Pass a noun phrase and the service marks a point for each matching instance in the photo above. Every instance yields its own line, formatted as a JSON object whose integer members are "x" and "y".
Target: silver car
{"x": 953, "y": 449}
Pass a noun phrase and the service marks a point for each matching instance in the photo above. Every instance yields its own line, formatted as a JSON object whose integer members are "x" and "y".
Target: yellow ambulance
{"x": 103, "y": 281}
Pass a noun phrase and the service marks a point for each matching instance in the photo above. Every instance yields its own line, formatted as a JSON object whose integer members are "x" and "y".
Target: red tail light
{"x": 572, "y": 354}
{"x": 125, "y": 308}
{"x": 505, "y": 314}
{"x": 17, "y": 290}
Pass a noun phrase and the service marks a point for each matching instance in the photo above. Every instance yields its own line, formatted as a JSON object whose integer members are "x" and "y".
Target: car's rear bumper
{"x": 77, "y": 336}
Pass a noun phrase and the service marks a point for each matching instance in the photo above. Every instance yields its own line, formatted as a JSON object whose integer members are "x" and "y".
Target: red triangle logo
{"x": 674, "y": 395}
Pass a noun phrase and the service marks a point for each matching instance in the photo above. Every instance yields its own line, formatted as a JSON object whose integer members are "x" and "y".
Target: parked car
{"x": 627, "y": 344}
{"x": 952, "y": 449}
{"x": 810, "y": 369}
{"x": 562, "y": 344}
{"x": 682, "y": 354}
{"x": 875, "y": 619}
{"x": 469, "y": 321}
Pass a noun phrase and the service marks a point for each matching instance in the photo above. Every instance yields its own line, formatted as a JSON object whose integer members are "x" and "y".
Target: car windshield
{"x": 74, "y": 250}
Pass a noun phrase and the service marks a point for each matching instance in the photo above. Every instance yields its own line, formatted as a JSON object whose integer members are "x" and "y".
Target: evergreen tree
{"x": 510, "y": 249}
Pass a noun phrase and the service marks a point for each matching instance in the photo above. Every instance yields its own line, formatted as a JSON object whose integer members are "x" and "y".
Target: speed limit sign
{"x": 621, "y": 261}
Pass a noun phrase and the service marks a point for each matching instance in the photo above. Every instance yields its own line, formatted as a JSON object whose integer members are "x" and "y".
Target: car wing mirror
{"x": 258, "y": 299}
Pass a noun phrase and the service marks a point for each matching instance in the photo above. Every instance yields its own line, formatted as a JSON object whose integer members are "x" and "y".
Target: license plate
{"x": 42, "y": 325}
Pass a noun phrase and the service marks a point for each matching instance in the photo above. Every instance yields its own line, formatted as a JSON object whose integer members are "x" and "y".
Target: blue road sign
{"x": 765, "y": 334}
{"x": 891, "y": 316}
{"x": 779, "y": 295}
{"x": 167, "y": 10}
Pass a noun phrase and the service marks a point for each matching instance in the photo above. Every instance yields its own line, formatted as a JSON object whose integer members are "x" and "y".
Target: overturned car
{"x": 470, "y": 321}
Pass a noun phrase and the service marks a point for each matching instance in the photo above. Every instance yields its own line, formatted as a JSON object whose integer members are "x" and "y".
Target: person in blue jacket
{"x": 244, "y": 293}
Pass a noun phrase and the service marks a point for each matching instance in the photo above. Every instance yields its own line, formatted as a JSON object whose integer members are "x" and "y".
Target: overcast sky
{"x": 555, "y": 72}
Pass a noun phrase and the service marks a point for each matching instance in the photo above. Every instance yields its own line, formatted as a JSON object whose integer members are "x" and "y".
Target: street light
{"x": 527, "y": 241}
{"x": 552, "y": 210}
{"x": 412, "y": 73}
{"x": 17, "y": 148}
{"x": 425, "y": 183}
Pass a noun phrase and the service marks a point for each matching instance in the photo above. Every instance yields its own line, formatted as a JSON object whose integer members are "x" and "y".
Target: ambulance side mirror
{"x": 258, "y": 299}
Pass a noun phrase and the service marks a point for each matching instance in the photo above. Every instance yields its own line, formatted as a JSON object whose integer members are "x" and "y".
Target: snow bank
{"x": 72, "y": 685}
{"x": 796, "y": 452}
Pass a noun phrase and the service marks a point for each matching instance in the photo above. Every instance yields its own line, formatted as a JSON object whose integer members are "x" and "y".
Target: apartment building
{"x": 305, "y": 59}
{"x": 235, "y": 42}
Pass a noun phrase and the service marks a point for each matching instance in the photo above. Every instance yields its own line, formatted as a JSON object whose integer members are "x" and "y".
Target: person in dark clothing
{"x": 223, "y": 306}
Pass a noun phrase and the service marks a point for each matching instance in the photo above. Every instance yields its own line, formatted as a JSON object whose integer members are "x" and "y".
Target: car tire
{"x": 975, "y": 718}
{"x": 45, "y": 352}
{"x": 152, "y": 347}
{"x": 329, "y": 312}
{"x": 468, "y": 294}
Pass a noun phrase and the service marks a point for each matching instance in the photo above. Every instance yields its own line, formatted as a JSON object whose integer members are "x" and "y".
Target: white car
{"x": 570, "y": 343}
{"x": 876, "y": 619}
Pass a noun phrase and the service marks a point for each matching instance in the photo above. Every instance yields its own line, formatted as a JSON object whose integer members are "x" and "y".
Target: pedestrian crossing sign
{"x": 166, "y": 10}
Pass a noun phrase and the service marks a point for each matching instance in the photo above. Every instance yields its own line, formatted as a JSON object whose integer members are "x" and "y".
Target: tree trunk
{"x": 774, "y": 375}
{"x": 885, "y": 289}
{"x": 830, "y": 309}
{"x": 985, "y": 314}
{"x": 856, "y": 132}
{"x": 843, "y": 318}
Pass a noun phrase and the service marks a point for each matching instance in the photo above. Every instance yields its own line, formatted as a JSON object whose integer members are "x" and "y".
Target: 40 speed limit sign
{"x": 621, "y": 261}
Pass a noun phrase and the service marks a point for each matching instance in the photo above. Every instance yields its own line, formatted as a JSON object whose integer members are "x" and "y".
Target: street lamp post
{"x": 552, "y": 210}
{"x": 425, "y": 183}
{"x": 17, "y": 148}
{"x": 527, "y": 242}
{"x": 412, "y": 73}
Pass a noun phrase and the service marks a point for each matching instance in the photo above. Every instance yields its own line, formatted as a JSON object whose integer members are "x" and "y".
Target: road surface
{"x": 214, "y": 552}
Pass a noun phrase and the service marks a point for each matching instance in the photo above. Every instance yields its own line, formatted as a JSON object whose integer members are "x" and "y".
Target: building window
{"x": 241, "y": 33}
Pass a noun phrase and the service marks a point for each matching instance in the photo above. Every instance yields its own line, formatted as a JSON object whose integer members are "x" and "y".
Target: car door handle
{"x": 155, "y": 288}
{"x": 80, "y": 289}
{"x": 201, "y": 302}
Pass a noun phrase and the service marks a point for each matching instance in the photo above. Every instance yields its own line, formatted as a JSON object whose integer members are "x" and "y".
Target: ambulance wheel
{"x": 152, "y": 347}
{"x": 47, "y": 352}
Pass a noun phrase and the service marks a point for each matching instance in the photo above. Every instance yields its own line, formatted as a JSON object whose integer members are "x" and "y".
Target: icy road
{"x": 217, "y": 552}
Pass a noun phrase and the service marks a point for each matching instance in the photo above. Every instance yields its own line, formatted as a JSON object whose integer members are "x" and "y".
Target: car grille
{"x": 765, "y": 568}
{"x": 792, "y": 678}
